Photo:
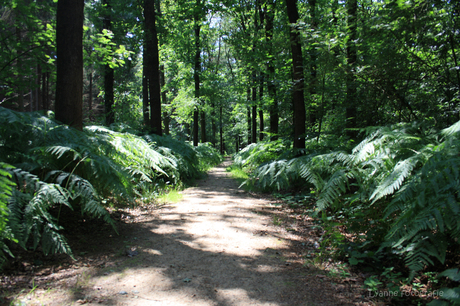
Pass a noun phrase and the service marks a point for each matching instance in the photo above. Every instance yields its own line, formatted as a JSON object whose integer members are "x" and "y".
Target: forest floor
{"x": 218, "y": 246}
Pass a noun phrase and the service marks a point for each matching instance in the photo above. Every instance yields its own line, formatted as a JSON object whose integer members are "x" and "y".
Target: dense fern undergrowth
{"x": 390, "y": 203}
{"x": 45, "y": 166}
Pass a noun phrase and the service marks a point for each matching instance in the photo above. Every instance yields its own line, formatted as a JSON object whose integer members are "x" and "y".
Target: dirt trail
{"x": 218, "y": 246}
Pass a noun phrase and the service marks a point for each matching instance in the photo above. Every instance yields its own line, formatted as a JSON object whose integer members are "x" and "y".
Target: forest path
{"x": 218, "y": 246}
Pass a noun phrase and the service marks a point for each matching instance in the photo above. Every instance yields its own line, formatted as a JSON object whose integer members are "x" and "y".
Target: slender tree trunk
{"x": 43, "y": 90}
{"x": 261, "y": 112}
{"x": 203, "y": 126}
{"x": 69, "y": 84}
{"x": 19, "y": 68}
{"x": 108, "y": 72}
{"x": 254, "y": 113}
{"x": 273, "y": 110}
{"x": 145, "y": 92}
{"x": 108, "y": 94}
{"x": 153, "y": 71}
{"x": 164, "y": 101}
{"x": 313, "y": 81}
{"x": 90, "y": 94}
{"x": 196, "y": 73}
{"x": 221, "y": 132}
{"x": 213, "y": 125}
{"x": 298, "y": 102}
{"x": 350, "y": 104}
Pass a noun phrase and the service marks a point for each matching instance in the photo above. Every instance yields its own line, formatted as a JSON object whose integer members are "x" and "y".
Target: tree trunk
{"x": 298, "y": 103}
{"x": 69, "y": 84}
{"x": 273, "y": 110}
{"x": 90, "y": 94}
{"x": 350, "y": 103}
{"x": 196, "y": 73}
{"x": 261, "y": 112}
{"x": 221, "y": 136}
{"x": 254, "y": 112}
{"x": 153, "y": 63}
{"x": 145, "y": 92}
{"x": 313, "y": 81}
{"x": 164, "y": 101}
{"x": 249, "y": 119}
{"x": 108, "y": 72}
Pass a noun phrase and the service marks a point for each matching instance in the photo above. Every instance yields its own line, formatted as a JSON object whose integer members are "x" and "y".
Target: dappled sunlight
{"x": 224, "y": 251}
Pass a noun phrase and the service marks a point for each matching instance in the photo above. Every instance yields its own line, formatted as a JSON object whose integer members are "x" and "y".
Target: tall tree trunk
{"x": 298, "y": 102}
{"x": 69, "y": 83}
{"x": 249, "y": 116}
{"x": 153, "y": 71}
{"x": 273, "y": 110}
{"x": 203, "y": 126}
{"x": 313, "y": 81}
{"x": 213, "y": 125}
{"x": 90, "y": 94}
{"x": 164, "y": 101}
{"x": 254, "y": 112}
{"x": 108, "y": 94}
{"x": 261, "y": 112}
{"x": 18, "y": 64}
{"x": 145, "y": 92}
{"x": 350, "y": 103}
{"x": 108, "y": 71}
{"x": 196, "y": 72}
{"x": 221, "y": 134}
{"x": 43, "y": 91}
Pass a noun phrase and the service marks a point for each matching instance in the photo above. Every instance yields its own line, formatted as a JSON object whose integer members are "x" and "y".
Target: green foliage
{"x": 259, "y": 153}
{"x": 450, "y": 296}
{"x": 395, "y": 191}
{"x": 6, "y": 190}
{"x": 55, "y": 165}
{"x": 190, "y": 161}
{"x": 208, "y": 156}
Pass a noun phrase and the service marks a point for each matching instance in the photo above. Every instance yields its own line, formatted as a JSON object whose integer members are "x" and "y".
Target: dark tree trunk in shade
{"x": 203, "y": 126}
{"x": 298, "y": 102}
{"x": 350, "y": 103}
{"x": 254, "y": 114}
{"x": 261, "y": 112}
{"x": 153, "y": 63}
{"x": 273, "y": 110}
{"x": 90, "y": 94}
{"x": 69, "y": 79}
{"x": 108, "y": 72}
{"x": 221, "y": 131}
{"x": 145, "y": 93}
{"x": 313, "y": 80}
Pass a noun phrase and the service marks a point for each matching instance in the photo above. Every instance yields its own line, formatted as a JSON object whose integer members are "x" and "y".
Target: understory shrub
{"x": 45, "y": 166}
{"x": 397, "y": 191}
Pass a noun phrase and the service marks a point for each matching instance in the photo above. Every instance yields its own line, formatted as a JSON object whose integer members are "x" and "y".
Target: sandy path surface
{"x": 218, "y": 246}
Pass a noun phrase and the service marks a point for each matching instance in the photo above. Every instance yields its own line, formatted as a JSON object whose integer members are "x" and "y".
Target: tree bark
{"x": 313, "y": 81}
{"x": 108, "y": 71}
{"x": 69, "y": 84}
{"x": 261, "y": 112}
{"x": 254, "y": 112}
{"x": 350, "y": 104}
{"x": 273, "y": 110}
{"x": 145, "y": 92}
{"x": 298, "y": 103}
{"x": 196, "y": 73}
{"x": 164, "y": 101}
{"x": 153, "y": 71}
{"x": 249, "y": 116}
